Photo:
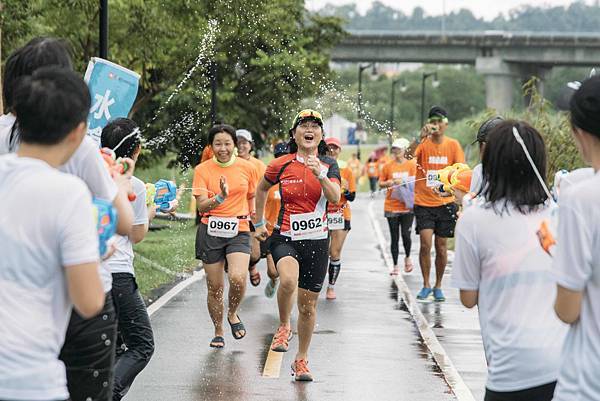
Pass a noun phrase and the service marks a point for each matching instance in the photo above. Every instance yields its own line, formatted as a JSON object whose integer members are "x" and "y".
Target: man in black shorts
{"x": 434, "y": 213}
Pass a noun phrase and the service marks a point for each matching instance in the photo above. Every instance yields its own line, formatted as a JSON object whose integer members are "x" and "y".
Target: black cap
{"x": 585, "y": 106}
{"x": 437, "y": 111}
{"x": 486, "y": 127}
{"x": 281, "y": 149}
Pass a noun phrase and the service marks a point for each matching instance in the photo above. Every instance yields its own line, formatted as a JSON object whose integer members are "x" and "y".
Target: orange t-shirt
{"x": 241, "y": 179}
{"x": 207, "y": 154}
{"x": 355, "y": 165}
{"x": 272, "y": 207}
{"x": 348, "y": 183}
{"x": 430, "y": 158}
{"x": 259, "y": 165}
{"x": 383, "y": 160}
{"x": 394, "y": 170}
{"x": 372, "y": 169}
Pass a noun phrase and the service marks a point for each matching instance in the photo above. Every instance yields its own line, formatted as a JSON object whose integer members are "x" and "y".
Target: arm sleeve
{"x": 78, "y": 232}
{"x": 334, "y": 172}
{"x": 572, "y": 262}
{"x": 89, "y": 166}
{"x": 140, "y": 211}
{"x": 199, "y": 184}
{"x": 466, "y": 273}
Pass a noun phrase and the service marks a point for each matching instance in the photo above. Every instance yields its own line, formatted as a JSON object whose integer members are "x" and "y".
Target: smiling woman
{"x": 299, "y": 243}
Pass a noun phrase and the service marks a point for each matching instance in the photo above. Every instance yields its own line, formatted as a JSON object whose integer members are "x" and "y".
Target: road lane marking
{"x": 173, "y": 292}
{"x": 451, "y": 375}
{"x": 273, "y": 364}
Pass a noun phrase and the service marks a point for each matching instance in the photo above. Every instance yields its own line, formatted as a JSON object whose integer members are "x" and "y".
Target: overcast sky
{"x": 481, "y": 8}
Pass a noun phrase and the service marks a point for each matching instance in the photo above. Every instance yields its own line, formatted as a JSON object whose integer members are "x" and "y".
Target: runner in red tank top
{"x": 299, "y": 243}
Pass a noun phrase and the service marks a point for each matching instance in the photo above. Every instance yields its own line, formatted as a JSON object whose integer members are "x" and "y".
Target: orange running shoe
{"x": 300, "y": 371}
{"x": 281, "y": 339}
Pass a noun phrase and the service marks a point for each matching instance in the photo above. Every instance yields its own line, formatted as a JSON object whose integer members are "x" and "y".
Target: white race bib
{"x": 335, "y": 221}
{"x": 432, "y": 181}
{"x": 223, "y": 227}
{"x": 307, "y": 226}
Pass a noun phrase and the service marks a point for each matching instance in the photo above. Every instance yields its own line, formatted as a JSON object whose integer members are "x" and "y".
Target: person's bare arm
{"x": 204, "y": 203}
{"x": 469, "y": 298}
{"x": 85, "y": 289}
{"x": 262, "y": 191}
{"x": 568, "y": 304}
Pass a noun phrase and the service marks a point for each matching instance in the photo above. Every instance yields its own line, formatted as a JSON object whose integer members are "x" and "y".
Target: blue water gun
{"x": 166, "y": 194}
{"x": 106, "y": 222}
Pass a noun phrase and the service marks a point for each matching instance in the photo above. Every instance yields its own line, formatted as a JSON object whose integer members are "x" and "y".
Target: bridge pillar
{"x": 527, "y": 72}
{"x": 499, "y": 82}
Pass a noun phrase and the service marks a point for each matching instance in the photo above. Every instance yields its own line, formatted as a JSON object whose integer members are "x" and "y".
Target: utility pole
{"x": 1, "y": 91}
{"x": 103, "y": 29}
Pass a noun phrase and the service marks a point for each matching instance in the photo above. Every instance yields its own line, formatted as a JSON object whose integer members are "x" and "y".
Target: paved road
{"x": 366, "y": 346}
{"x": 456, "y": 327}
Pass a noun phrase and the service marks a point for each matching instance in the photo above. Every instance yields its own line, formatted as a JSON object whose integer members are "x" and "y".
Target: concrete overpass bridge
{"x": 501, "y": 57}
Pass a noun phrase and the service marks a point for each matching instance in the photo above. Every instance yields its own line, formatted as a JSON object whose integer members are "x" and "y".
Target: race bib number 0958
{"x": 307, "y": 226}
{"x": 223, "y": 227}
{"x": 335, "y": 221}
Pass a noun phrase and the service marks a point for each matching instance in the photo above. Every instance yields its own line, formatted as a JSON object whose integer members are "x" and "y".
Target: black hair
{"x": 585, "y": 106}
{"x": 508, "y": 177}
{"x": 38, "y": 52}
{"x": 115, "y": 131}
{"x": 293, "y": 146}
{"x": 50, "y": 104}
{"x": 221, "y": 128}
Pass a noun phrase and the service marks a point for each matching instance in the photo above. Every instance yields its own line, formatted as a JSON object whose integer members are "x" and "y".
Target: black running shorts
{"x": 440, "y": 219}
{"x": 211, "y": 249}
{"x": 312, "y": 256}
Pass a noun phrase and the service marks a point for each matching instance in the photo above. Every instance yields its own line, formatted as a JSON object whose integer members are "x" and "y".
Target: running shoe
{"x": 281, "y": 339}
{"x": 271, "y": 289}
{"x": 438, "y": 295}
{"x": 330, "y": 293}
{"x": 300, "y": 371}
{"x": 424, "y": 293}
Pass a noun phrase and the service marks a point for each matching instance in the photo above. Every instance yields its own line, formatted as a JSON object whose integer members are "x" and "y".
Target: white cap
{"x": 244, "y": 133}
{"x": 401, "y": 143}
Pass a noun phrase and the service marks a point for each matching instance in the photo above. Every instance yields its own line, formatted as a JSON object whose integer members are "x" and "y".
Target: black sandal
{"x": 217, "y": 342}
{"x": 236, "y": 328}
{"x": 255, "y": 277}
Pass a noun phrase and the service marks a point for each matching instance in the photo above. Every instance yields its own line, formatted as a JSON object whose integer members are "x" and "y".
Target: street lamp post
{"x": 435, "y": 84}
{"x": 213, "y": 92}
{"x": 103, "y": 29}
{"x": 359, "y": 110}
{"x": 393, "y": 103}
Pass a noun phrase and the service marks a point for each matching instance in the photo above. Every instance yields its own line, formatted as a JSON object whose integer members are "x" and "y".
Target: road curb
{"x": 173, "y": 292}
{"x": 451, "y": 375}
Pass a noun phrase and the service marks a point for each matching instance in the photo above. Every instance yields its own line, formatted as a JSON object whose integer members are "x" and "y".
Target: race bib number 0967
{"x": 223, "y": 227}
{"x": 307, "y": 226}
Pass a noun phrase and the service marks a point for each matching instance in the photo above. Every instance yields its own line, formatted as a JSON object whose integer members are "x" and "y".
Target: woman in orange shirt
{"x": 224, "y": 188}
{"x": 398, "y": 176}
{"x": 338, "y": 215}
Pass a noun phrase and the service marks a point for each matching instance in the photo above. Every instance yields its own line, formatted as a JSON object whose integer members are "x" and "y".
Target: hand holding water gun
{"x": 456, "y": 177}
{"x": 121, "y": 167}
{"x": 106, "y": 222}
{"x": 163, "y": 194}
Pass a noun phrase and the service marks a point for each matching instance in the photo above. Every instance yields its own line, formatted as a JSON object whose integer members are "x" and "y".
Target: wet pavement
{"x": 366, "y": 346}
{"x": 456, "y": 327}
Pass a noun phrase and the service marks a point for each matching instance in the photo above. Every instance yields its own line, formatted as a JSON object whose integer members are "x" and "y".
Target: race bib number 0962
{"x": 307, "y": 226}
{"x": 223, "y": 227}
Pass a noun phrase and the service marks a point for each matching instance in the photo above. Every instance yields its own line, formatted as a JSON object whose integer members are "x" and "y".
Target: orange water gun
{"x": 116, "y": 166}
{"x": 457, "y": 176}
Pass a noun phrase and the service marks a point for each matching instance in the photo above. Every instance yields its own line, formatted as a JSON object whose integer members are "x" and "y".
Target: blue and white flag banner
{"x": 113, "y": 90}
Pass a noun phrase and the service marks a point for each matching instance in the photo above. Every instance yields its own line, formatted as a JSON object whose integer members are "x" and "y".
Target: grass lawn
{"x": 172, "y": 248}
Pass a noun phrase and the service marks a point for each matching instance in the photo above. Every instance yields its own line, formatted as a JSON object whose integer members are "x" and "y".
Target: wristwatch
{"x": 322, "y": 175}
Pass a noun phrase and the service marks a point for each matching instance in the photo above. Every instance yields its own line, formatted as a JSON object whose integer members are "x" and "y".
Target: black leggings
{"x": 373, "y": 183}
{"x": 404, "y": 220}
{"x": 539, "y": 393}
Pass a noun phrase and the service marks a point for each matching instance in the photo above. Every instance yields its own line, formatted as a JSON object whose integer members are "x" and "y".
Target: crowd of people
{"x": 73, "y": 324}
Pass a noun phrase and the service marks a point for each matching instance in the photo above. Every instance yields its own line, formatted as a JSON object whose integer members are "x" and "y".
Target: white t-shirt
{"x": 476, "y": 178}
{"x": 122, "y": 260}
{"x": 47, "y": 224}
{"x": 86, "y": 163}
{"x": 500, "y": 257}
{"x": 577, "y": 268}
